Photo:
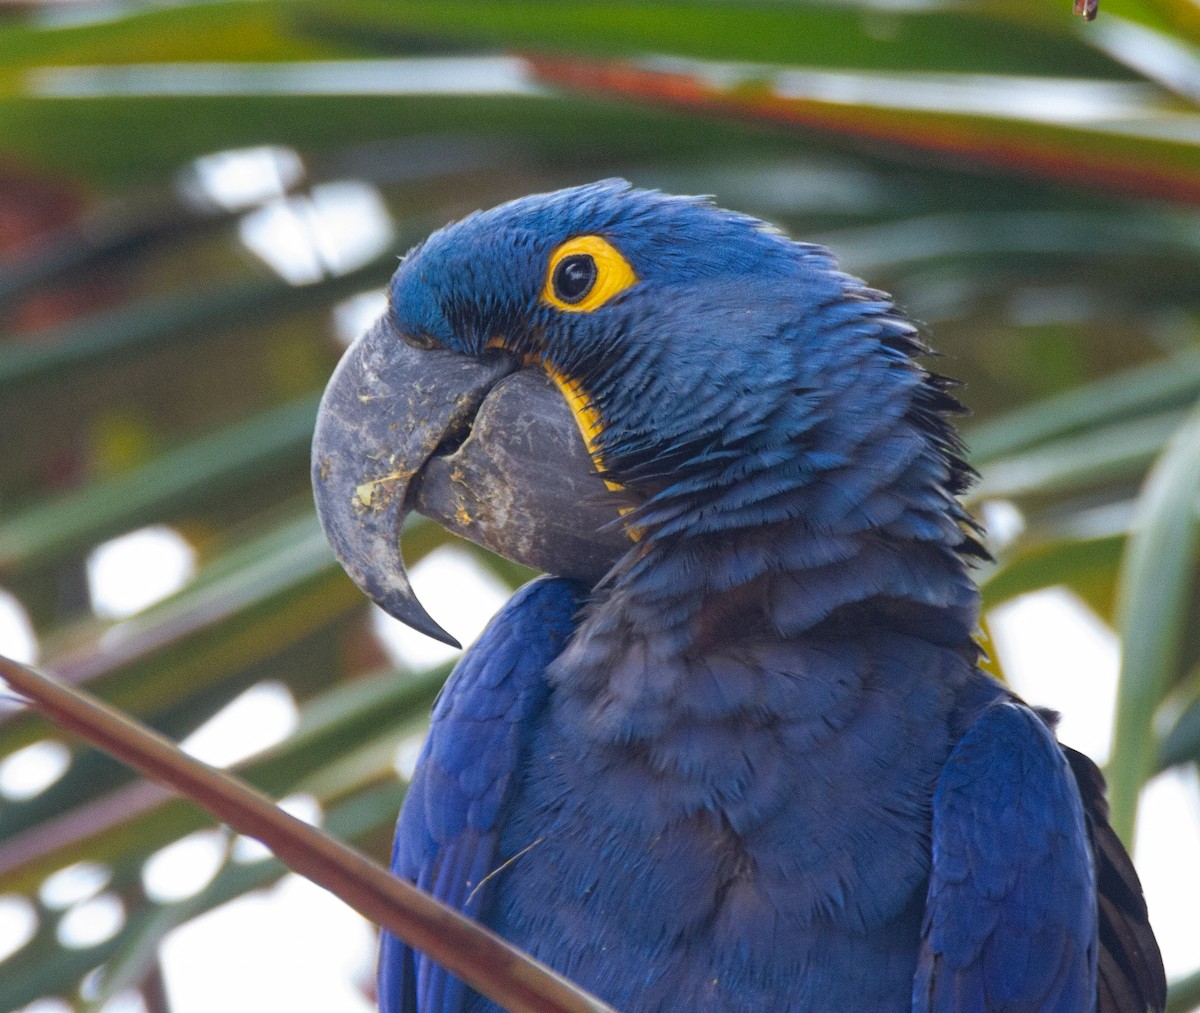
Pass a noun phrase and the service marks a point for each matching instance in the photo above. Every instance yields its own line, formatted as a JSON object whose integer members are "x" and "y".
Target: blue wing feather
{"x": 447, "y": 832}
{"x": 1010, "y": 920}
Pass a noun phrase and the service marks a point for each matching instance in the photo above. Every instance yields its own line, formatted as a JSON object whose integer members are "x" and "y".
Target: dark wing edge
{"x": 1131, "y": 975}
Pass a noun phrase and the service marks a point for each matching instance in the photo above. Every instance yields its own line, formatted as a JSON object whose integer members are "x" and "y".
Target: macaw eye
{"x": 574, "y": 277}
{"x": 584, "y": 273}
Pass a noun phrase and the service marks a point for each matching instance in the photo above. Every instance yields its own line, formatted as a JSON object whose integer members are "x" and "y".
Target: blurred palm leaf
{"x": 1026, "y": 184}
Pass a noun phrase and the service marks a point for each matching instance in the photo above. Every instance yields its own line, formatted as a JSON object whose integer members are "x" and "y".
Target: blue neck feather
{"x": 826, "y": 514}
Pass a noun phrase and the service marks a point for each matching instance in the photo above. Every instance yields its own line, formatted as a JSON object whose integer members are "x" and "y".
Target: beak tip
{"x": 450, "y": 641}
{"x": 434, "y": 631}
{"x": 401, "y": 604}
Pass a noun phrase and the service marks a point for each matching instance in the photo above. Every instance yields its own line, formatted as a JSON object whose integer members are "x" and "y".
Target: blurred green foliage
{"x": 1035, "y": 203}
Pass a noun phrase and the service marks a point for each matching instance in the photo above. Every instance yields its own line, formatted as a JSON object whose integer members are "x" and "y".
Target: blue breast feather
{"x": 662, "y": 897}
{"x": 446, "y": 837}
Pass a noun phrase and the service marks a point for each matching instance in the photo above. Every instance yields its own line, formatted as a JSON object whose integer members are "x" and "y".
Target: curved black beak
{"x": 485, "y": 448}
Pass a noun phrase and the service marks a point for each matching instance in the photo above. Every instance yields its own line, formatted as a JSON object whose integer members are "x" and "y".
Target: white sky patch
{"x": 247, "y": 850}
{"x": 124, "y": 1002}
{"x": 1003, "y": 522}
{"x": 241, "y": 178}
{"x": 184, "y": 867}
{"x": 93, "y": 922}
{"x": 407, "y": 754}
{"x": 18, "y": 923}
{"x": 351, "y": 225}
{"x": 278, "y": 234}
{"x": 1165, "y": 851}
{"x": 332, "y": 230}
{"x": 30, "y": 771}
{"x": 73, "y": 884}
{"x": 1056, "y": 653}
{"x": 132, "y": 572}
{"x": 257, "y": 719}
{"x": 353, "y": 316}
{"x": 304, "y": 807}
{"x": 460, "y": 595}
{"x": 17, "y": 637}
{"x": 293, "y": 947}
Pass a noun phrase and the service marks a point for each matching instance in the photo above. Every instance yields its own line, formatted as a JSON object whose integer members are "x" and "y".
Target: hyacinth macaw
{"x": 738, "y": 754}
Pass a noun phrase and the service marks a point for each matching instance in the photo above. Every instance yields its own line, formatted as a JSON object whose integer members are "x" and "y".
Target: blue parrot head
{"x": 721, "y": 375}
{"x": 662, "y": 318}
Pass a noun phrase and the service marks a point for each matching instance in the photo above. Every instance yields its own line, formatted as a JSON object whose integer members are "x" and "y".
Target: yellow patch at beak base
{"x": 590, "y": 427}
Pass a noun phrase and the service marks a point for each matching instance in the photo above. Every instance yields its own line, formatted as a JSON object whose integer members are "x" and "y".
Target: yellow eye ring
{"x": 584, "y": 273}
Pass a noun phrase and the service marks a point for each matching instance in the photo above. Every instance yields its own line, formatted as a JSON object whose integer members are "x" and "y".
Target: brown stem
{"x": 154, "y": 990}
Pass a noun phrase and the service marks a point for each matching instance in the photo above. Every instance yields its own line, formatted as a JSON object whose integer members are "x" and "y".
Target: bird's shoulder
{"x": 480, "y": 719}
{"x": 1033, "y": 903}
{"x": 453, "y": 812}
{"x": 1010, "y": 918}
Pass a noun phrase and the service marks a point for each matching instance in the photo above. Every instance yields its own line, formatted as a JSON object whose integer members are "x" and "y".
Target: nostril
{"x": 452, "y": 441}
